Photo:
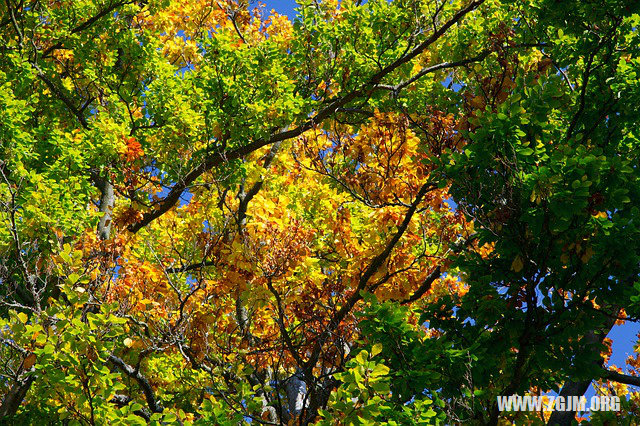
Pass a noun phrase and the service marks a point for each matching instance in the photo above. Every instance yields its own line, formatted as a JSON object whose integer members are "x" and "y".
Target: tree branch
{"x": 144, "y": 384}
{"x": 433, "y": 68}
{"x": 373, "y": 267}
{"x": 424, "y": 287}
{"x": 621, "y": 378}
{"x": 61, "y": 96}
{"x": 107, "y": 200}
{"x": 86, "y": 24}
{"x": 12, "y": 400}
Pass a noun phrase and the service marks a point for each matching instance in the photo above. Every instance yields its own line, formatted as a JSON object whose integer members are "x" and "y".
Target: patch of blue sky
{"x": 451, "y": 85}
{"x": 283, "y": 7}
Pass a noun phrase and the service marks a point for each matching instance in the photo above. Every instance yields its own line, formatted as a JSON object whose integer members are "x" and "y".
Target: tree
{"x": 388, "y": 212}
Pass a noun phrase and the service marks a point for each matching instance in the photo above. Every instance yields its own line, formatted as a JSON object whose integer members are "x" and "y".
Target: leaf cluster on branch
{"x": 381, "y": 213}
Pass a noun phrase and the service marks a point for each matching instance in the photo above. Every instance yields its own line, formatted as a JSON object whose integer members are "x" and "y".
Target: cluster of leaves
{"x": 388, "y": 212}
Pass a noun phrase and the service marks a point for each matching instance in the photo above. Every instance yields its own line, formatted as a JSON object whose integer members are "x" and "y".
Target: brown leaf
{"x": 29, "y": 361}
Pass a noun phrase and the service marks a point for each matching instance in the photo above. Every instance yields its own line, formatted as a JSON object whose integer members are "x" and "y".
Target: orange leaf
{"x": 29, "y": 361}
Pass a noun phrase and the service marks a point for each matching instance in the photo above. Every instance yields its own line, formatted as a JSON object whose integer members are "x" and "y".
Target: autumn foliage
{"x": 380, "y": 213}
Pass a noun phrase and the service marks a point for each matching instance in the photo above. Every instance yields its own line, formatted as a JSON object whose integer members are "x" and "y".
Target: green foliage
{"x": 364, "y": 397}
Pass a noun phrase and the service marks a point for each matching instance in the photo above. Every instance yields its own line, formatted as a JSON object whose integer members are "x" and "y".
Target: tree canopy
{"x": 380, "y": 212}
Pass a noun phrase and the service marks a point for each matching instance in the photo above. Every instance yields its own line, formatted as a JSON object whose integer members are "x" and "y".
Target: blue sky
{"x": 624, "y": 337}
{"x": 284, "y": 7}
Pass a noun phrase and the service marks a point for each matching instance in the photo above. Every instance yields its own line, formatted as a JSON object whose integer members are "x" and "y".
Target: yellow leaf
{"x": 68, "y": 84}
{"x": 128, "y": 342}
{"x": 376, "y": 349}
{"x": 22, "y": 317}
{"x": 517, "y": 264}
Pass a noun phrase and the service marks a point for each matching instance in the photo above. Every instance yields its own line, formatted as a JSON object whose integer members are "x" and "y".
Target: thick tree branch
{"x": 122, "y": 400}
{"x": 107, "y": 201}
{"x": 144, "y": 384}
{"x": 621, "y": 378}
{"x": 14, "y": 22}
{"x": 12, "y": 400}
